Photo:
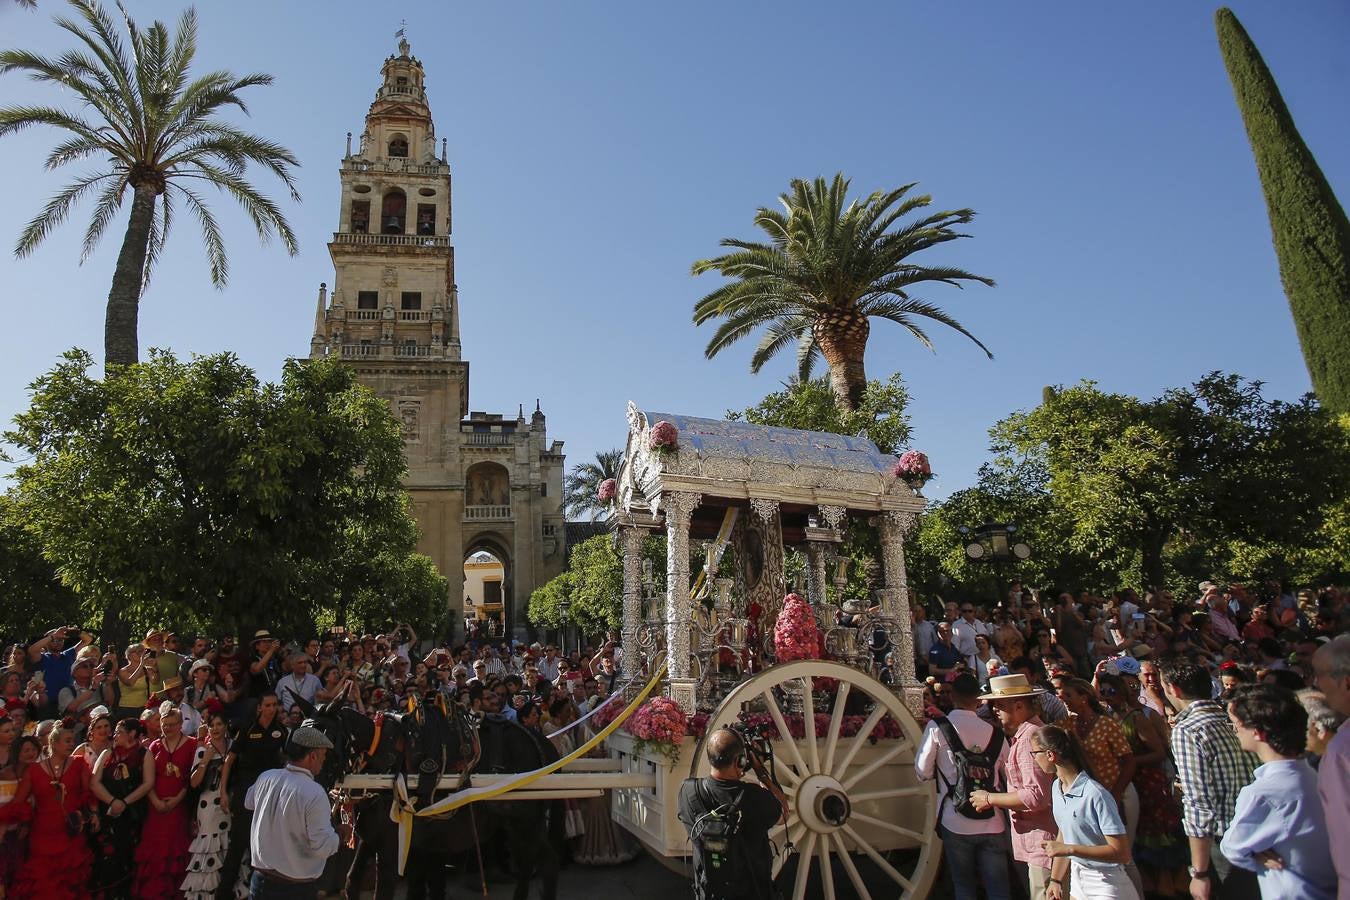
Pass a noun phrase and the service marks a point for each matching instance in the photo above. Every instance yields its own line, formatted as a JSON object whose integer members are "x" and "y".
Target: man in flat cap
{"x": 292, "y": 834}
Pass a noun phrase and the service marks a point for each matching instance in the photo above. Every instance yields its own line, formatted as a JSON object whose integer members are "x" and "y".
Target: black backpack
{"x": 974, "y": 771}
{"x": 720, "y": 873}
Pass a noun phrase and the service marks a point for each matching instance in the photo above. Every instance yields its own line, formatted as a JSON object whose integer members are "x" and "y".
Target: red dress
{"x": 58, "y": 863}
{"x": 162, "y": 855}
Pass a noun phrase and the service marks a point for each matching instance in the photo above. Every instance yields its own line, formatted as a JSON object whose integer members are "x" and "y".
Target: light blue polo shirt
{"x": 1086, "y": 813}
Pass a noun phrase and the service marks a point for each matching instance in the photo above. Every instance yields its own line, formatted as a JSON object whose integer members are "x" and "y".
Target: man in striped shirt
{"x": 1212, "y": 768}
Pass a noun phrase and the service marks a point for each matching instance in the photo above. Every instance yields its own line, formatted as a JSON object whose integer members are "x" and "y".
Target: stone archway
{"x": 498, "y": 547}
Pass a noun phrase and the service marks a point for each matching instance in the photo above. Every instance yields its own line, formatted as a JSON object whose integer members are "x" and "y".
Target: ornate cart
{"x": 847, "y": 729}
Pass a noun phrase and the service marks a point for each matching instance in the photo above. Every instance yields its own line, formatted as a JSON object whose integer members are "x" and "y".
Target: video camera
{"x": 757, "y": 745}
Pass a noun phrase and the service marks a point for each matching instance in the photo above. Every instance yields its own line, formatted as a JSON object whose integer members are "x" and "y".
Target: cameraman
{"x": 760, "y": 808}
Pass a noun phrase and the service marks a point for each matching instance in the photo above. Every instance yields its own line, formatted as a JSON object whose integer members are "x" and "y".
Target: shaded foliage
{"x": 191, "y": 491}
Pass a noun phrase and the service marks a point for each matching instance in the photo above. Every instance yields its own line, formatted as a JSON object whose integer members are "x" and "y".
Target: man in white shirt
{"x": 964, "y": 631}
{"x": 292, "y": 833}
{"x": 974, "y": 846}
{"x": 925, "y": 635}
{"x": 548, "y": 666}
{"x": 300, "y": 683}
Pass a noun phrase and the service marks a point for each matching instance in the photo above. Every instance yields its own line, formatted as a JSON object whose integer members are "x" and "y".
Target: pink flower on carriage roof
{"x": 608, "y": 490}
{"x": 912, "y": 464}
{"x": 664, "y": 436}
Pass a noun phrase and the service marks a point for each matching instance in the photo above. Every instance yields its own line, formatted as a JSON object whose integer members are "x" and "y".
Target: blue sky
{"x": 599, "y": 148}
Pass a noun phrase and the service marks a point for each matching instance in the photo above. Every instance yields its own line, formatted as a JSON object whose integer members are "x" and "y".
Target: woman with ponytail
{"x": 1091, "y": 840}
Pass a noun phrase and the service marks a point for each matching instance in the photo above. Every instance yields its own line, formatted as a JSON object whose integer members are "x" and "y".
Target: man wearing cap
{"x": 1028, "y": 798}
{"x": 292, "y": 834}
{"x": 974, "y": 847}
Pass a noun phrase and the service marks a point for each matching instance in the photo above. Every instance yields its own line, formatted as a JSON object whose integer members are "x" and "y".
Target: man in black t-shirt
{"x": 761, "y": 808}
{"x": 258, "y": 746}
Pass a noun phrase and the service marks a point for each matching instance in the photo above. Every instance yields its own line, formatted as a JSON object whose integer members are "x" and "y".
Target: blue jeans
{"x": 977, "y": 857}
{"x": 260, "y": 888}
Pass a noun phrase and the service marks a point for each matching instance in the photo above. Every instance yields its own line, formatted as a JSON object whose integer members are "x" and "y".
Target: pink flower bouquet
{"x": 664, "y": 438}
{"x": 795, "y": 634}
{"x": 913, "y": 468}
{"x": 659, "y": 725}
{"x": 608, "y": 490}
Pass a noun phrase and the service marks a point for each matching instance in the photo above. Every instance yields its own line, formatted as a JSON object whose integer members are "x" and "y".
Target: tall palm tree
{"x": 156, "y": 133}
{"x": 581, "y": 484}
{"x": 827, "y": 269}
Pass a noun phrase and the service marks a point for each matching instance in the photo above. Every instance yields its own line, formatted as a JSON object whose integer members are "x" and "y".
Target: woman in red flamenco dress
{"x": 162, "y": 855}
{"x": 59, "y": 860}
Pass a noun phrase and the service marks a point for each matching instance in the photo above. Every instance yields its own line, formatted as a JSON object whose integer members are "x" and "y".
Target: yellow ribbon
{"x": 476, "y": 795}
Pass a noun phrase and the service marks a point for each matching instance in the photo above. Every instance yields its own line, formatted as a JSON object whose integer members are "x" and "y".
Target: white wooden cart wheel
{"x": 846, "y": 796}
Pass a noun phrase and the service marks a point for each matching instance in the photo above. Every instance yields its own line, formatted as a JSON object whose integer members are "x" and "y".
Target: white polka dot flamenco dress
{"x": 213, "y": 832}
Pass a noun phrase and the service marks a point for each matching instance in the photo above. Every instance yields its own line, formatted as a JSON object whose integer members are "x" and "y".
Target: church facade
{"x": 478, "y": 481}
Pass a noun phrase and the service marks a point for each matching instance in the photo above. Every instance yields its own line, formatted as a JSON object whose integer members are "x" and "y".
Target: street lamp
{"x": 563, "y": 605}
{"x": 996, "y": 542}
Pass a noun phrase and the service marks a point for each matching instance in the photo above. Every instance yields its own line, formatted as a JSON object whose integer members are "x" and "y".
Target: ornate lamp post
{"x": 997, "y": 543}
{"x": 563, "y": 606}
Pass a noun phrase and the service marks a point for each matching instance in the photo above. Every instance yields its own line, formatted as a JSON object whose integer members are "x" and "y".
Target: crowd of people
{"x": 1129, "y": 746}
{"x": 1135, "y": 745}
{"x": 125, "y": 774}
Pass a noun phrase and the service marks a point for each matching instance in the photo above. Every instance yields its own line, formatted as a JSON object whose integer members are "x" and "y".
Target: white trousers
{"x": 1087, "y": 883}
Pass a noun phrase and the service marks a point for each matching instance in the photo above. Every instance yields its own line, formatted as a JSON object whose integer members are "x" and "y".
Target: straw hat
{"x": 1011, "y": 687}
{"x": 262, "y": 634}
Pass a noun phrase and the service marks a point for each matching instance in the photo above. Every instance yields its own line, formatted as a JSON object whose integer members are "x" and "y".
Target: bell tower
{"x": 477, "y": 481}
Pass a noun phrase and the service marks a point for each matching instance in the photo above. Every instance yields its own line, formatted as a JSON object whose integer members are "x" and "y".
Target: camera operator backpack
{"x": 720, "y": 871}
{"x": 974, "y": 770}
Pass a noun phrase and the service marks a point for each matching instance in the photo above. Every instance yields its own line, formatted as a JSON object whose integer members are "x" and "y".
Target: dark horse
{"x": 430, "y": 739}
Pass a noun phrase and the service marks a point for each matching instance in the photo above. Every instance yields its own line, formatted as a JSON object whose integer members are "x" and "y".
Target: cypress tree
{"x": 1309, "y": 227}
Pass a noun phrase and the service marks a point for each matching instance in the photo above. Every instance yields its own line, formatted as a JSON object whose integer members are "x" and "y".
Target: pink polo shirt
{"x": 1025, "y": 779}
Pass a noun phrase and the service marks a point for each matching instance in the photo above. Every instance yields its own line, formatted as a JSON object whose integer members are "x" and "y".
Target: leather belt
{"x": 273, "y": 875}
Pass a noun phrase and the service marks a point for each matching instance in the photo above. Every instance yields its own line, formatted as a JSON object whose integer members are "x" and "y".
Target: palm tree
{"x": 156, "y": 131}
{"x": 825, "y": 272}
{"x": 582, "y": 483}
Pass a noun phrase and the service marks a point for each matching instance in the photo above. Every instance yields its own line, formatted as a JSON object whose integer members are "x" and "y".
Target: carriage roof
{"x": 739, "y": 461}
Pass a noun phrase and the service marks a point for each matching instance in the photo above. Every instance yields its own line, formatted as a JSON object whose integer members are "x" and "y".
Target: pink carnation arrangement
{"x": 913, "y": 467}
{"x": 607, "y": 491}
{"x": 795, "y": 633}
{"x": 659, "y": 725}
{"x": 606, "y": 713}
{"x": 664, "y": 437}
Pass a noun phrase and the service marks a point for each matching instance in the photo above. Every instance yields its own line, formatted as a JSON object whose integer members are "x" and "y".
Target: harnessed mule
{"x": 431, "y": 739}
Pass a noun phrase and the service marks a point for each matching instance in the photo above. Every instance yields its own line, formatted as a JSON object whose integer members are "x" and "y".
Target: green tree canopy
{"x": 1182, "y": 481}
{"x": 826, "y": 271}
{"x": 155, "y": 134}
{"x": 1310, "y": 229}
{"x": 35, "y": 600}
{"x": 592, "y": 585}
{"x": 881, "y": 414}
{"x": 183, "y": 489}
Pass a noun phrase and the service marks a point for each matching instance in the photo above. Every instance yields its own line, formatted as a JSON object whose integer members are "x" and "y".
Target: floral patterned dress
{"x": 162, "y": 855}
{"x": 1159, "y": 843}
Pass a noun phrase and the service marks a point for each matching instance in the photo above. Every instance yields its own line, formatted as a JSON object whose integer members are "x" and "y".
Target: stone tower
{"x": 478, "y": 481}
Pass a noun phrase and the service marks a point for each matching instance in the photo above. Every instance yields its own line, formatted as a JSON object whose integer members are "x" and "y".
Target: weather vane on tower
{"x": 402, "y": 35}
